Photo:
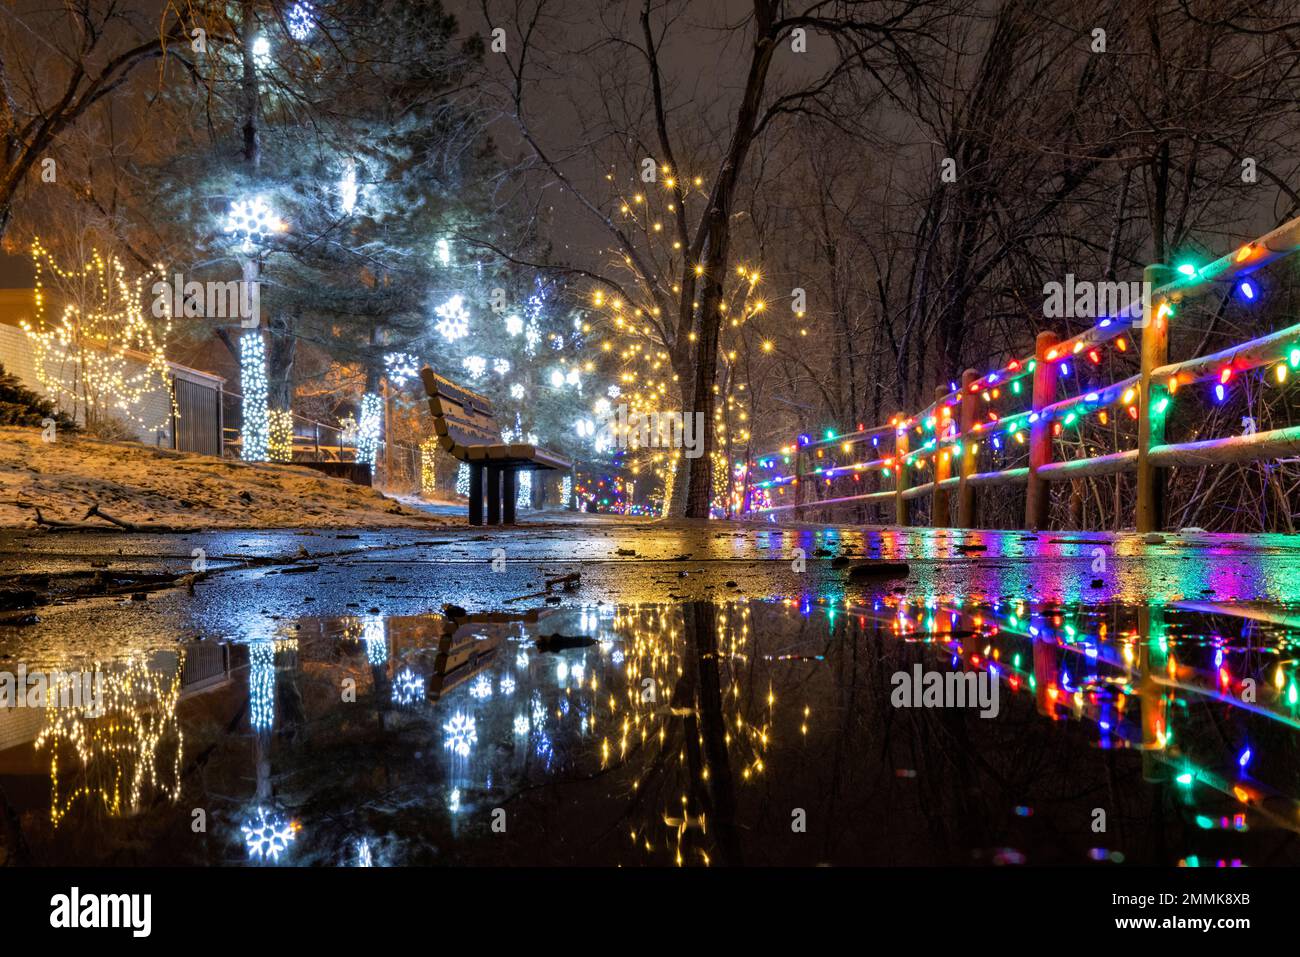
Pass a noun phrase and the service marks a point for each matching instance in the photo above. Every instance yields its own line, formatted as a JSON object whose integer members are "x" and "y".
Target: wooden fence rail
{"x": 959, "y": 424}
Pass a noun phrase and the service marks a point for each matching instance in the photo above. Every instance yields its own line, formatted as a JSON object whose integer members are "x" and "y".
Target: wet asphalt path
{"x": 257, "y": 579}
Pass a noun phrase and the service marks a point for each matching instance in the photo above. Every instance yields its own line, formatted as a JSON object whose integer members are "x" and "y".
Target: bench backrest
{"x": 460, "y": 417}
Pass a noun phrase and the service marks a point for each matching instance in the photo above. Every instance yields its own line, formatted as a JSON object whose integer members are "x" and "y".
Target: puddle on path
{"x": 749, "y": 732}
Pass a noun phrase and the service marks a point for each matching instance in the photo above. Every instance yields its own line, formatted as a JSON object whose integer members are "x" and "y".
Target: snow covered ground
{"x": 143, "y": 484}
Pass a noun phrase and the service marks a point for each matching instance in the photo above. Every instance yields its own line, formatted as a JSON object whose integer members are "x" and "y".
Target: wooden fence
{"x": 947, "y": 437}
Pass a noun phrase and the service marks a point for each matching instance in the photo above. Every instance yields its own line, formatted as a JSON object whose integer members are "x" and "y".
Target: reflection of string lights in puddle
{"x": 261, "y": 685}
{"x": 119, "y": 738}
{"x": 372, "y": 633}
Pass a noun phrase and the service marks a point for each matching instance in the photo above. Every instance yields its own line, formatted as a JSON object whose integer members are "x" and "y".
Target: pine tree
{"x": 19, "y": 405}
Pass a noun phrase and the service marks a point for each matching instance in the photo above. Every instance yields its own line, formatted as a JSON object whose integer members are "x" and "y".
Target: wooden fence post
{"x": 1037, "y": 494}
{"x": 1152, "y": 401}
{"x": 902, "y": 483}
{"x": 939, "y": 517}
{"x": 966, "y": 491}
{"x": 1153, "y": 696}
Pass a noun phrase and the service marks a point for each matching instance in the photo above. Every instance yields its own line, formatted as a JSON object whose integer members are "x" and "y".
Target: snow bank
{"x": 143, "y": 484}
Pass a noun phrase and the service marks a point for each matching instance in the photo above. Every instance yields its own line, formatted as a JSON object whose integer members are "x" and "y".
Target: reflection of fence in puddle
{"x": 1135, "y": 676}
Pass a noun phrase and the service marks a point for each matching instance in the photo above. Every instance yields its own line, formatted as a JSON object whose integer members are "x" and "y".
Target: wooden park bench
{"x": 467, "y": 429}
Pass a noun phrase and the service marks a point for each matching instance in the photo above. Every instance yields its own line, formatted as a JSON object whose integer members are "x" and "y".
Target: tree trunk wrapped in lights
{"x": 280, "y": 435}
{"x": 369, "y": 426}
{"x": 256, "y": 429}
{"x": 429, "y": 449}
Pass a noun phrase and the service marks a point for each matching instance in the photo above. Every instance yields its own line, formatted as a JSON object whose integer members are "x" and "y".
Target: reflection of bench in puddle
{"x": 460, "y": 651}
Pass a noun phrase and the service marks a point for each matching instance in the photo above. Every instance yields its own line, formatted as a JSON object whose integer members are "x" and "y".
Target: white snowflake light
{"x": 557, "y": 378}
{"x": 408, "y": 687}
{"x": 613, "y": 392}
{"x": 517, "y": 391}
{"x": 249, "y": 221}
{"x": 501, "y": 366}
{"x": 300, "y": 20}
{"x": 267, "y": 835}
{"x": 453, "y": 320}
{"x": 514, "y": 325}
{"x": 462, "y": 734}
{"x": 507, "y": 685}
{"x": 522, "y": 725}
{"x": 481, "y": 688}
{"x": 400, "y": 367}
{"x": 476, "y": 366}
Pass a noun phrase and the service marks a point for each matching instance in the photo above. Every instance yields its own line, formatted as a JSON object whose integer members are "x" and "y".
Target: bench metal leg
{"x": 494, "y": 494}
{"x": 509, "y": 491}
{"x": 475, "y": 494}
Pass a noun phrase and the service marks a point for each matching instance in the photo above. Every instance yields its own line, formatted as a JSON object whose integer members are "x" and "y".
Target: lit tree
{"x": 878, "y": 40}
{"x": 96, "y": 343}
